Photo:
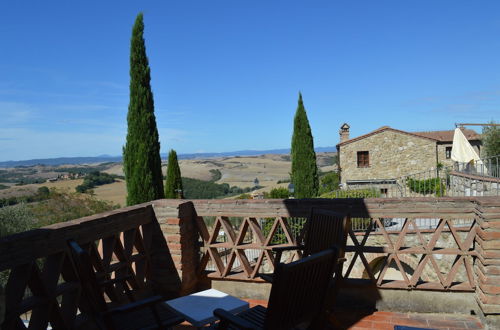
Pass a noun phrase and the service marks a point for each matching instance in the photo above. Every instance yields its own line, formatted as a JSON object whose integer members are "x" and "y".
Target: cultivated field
{"x": 235, "y": 171}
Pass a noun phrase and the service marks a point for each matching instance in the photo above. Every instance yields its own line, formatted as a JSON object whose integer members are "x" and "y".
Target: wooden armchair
{"x": 323, "y": 229}
{"x": 148, "y": 313}
{"x": 297, "y": 296}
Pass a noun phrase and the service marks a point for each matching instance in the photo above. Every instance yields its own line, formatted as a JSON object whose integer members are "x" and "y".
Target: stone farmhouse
{"x": 385, "y": 154}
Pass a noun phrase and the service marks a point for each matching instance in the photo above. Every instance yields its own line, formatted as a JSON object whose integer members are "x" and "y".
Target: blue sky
{"x": 226, "y": 74}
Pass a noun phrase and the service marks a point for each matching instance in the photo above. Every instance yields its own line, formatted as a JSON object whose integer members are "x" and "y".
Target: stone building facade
{"x": 382, "y": 156}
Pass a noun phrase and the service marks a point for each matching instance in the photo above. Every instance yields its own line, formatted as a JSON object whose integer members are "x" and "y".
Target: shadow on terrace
{"x": 427, "y": 262}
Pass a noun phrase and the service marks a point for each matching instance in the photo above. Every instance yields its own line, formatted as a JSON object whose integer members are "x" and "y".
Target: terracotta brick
{"x": 409, "y": 322}
{"x": 382, "y": 325}
{"x": 173, "y": 238}
{"x": 490, "y": 289}
{"x": 174, "y": 247}
{"x": 490, "y": 224}
{"x": 173, "y": 221}
{"x": 491, "y": 254}
{"x": 473, "y": 324}
{"x": 488, "y": 279}
{"x": 379, "y": 317}
{"x": 363, "y": 324}
{"x": 171, "y": 230}
{"x": 488, "y": 299}
{"x": 447, "y": 324}
{"x": 491, "y": 245}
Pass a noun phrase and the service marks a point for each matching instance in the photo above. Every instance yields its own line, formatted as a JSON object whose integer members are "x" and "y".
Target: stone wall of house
{"x": 392, "y": 155}
{"x": 441, "y": 154}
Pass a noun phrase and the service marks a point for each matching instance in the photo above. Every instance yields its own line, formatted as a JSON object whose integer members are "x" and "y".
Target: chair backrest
{"x": 93, "y": 293}
{"x": 299, "y": 290}
{"x": 325, "y": 229}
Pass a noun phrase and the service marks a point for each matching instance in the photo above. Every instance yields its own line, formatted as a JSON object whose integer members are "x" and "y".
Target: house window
{"x": 448, "y": 152}
{"x": 363, "y": 159}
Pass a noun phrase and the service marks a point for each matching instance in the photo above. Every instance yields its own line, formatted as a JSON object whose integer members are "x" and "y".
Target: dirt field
{"x": 15, "y": 191}
{"x": 115, "y": 192}
{"x": 235, "y": 171}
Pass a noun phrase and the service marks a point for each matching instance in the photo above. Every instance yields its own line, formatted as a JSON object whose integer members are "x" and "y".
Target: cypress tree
{"x": 141, "y": 153}
{"x": 173, "y": 183}
{"x": 304, "y": 174}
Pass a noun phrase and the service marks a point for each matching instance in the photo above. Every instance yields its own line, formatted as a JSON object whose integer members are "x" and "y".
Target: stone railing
{"x": 41, "y": 284}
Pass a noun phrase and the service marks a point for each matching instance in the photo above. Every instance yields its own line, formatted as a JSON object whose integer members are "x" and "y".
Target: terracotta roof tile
{"x": 442, "y": 136}
{"x": 447, "y": 136}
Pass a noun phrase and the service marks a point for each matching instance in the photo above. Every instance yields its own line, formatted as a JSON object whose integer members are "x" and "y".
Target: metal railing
{"x": 487, "y": 167}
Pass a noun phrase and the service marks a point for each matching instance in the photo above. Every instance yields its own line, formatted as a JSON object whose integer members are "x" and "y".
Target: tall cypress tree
{"x": 304, "y": 174}
{"x": 141, "y": 153}
{"x": 173, "y": 183}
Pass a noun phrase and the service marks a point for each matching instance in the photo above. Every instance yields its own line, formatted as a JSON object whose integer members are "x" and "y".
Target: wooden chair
{"x": 323, "y": 229}
{"x": 297, "y": 296}
{"x": 148, "y": 313}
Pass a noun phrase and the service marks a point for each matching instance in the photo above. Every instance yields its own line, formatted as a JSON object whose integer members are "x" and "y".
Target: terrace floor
{"x": 362, "y": 320}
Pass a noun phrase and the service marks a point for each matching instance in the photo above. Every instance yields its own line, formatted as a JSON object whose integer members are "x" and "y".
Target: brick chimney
{"x": 344, "y": 132}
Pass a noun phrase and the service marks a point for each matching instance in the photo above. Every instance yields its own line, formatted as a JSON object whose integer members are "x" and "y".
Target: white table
{"x": 198, "y": 307}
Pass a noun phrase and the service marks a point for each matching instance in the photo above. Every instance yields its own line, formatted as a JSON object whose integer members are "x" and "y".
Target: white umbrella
{"x": 462, "y": 151}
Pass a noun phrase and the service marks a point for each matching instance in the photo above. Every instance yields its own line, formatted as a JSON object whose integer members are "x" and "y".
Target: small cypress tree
{"x": 173, "y": 183}
{"x": 141, "y": 153}
{"x": 304, "y": 174}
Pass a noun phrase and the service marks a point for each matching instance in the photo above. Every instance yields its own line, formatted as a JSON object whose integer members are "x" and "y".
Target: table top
{"x": 198, "y": 307}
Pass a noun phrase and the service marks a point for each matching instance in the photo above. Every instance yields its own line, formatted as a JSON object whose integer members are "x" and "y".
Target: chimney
{"x": 344, "y": 132}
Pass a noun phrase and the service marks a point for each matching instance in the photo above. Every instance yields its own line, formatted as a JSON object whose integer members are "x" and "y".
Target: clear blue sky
{"x": 226, "y": 74}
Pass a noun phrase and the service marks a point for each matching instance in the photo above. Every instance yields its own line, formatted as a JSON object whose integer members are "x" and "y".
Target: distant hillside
{"x": 246, "y": 153}
{"x": 61, "y": 161}
{"x": 106, "y": 158}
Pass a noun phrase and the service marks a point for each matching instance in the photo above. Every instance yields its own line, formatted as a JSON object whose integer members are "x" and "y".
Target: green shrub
{"x": 427, "y": 186}
{"x": 63, "y": 206}
{"x": 94, "y": 179}
{"x": 279, "y": 193}
{"x": 354, "y": 193}
{"x": 329, "y": 181}
{"x": 15, "y": 219}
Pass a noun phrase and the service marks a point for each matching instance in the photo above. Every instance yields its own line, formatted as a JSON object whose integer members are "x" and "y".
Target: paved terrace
{"x": 431, "y": 277}
{"x": 362, "y": 320}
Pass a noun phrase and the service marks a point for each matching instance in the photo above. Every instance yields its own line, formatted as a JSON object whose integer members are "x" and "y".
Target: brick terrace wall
{"x": 488, "y": 263}
{"x": 177, "y": 220}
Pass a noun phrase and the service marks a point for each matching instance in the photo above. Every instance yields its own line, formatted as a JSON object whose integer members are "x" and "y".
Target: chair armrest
{"x": 147, "y": 302}
{"x": 267, "y": 277}
{"x": 280, "y": 249}
{"x": 227, "y": 318}
{"x": 287, "y": 248}
{"x": 115, "y": 280}
{"x": 341, "y": 260}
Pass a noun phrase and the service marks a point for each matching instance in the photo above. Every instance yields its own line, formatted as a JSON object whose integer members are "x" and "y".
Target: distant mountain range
{"x": 108, "y": 158}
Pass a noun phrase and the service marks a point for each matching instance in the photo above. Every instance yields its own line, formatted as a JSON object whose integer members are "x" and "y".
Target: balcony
{"x": 417, "y": 261}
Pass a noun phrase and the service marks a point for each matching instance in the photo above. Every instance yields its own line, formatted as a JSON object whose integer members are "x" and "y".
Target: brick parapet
{"x": 487, "y": 266}
{"x": 177, "y": 222}
{"x": 177, "y": 219}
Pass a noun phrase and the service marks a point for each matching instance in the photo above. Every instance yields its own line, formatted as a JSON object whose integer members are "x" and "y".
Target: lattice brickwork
{"x": 426, "y": 249}
{"x": 43, "y": 285}
{"x": 249, "y": 236}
